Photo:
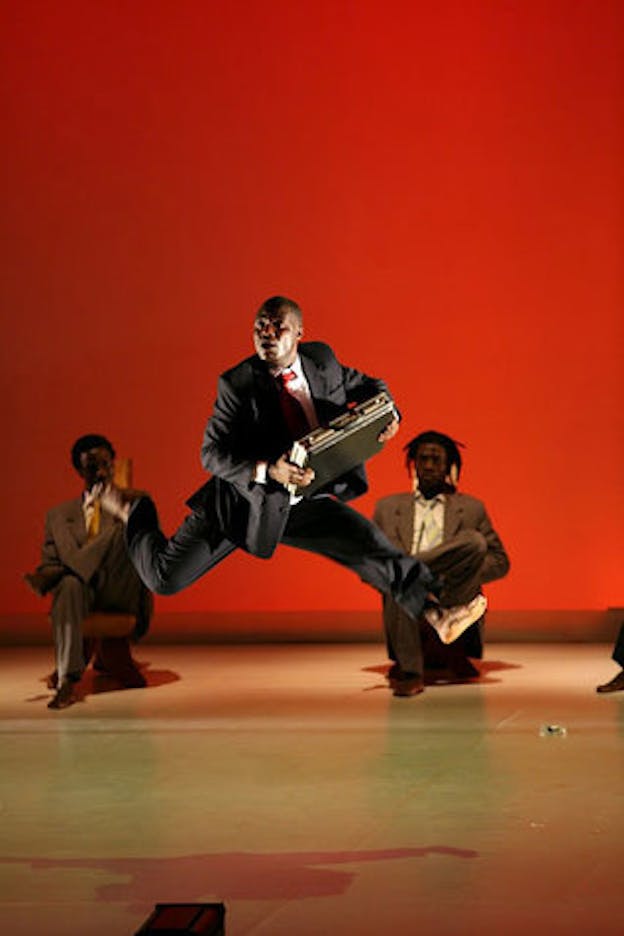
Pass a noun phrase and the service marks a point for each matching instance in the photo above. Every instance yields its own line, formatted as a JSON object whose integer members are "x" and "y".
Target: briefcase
{"x": 180, "y": 919}
{"x": 347, "y": 441}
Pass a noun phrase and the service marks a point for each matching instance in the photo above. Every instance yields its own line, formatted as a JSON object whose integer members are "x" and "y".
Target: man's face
{"x": 430, "y": 465}
{"x": 276, "y": 338}
{"x": 96, "y": 465}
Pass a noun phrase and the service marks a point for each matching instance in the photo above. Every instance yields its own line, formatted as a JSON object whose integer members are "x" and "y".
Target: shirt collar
{"x": 295, "y": 367}
{"x": 432, "y": 501}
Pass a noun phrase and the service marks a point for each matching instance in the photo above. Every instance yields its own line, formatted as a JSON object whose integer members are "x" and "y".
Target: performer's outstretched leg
{"x": 166, "y": 566}
{"x": 328, "y": 527}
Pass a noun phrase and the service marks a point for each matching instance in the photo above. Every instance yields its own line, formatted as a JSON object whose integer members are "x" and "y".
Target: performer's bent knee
{"x": 165, "y": 586}
{"x": 69, "y": 585}
{"x": 159, "y": 581}
{"x": 474, "y": 540}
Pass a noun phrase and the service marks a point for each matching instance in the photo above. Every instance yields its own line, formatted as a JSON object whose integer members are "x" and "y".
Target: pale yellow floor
{"x": 287, "y": 782}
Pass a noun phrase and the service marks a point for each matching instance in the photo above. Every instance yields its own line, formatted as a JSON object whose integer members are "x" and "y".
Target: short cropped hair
{"x": 275, "y": 303}
{"x": 450, "y": 446}
{"x": 87, "y": 442}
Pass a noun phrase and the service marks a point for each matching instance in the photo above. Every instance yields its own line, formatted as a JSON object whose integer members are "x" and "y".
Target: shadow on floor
{"x": 228, "y": 875}
{"x": 443, "y": 677}
{"x": 94, "y": 683}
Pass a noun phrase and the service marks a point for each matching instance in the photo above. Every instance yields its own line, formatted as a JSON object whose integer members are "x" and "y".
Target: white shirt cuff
{"x": 260, "y": 472}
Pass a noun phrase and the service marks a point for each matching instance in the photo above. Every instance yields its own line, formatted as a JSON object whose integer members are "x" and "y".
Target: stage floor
{"x": 287, "y": 782}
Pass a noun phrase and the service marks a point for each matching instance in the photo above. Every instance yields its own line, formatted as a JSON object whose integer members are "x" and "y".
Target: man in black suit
{"x": 263, "y": 404}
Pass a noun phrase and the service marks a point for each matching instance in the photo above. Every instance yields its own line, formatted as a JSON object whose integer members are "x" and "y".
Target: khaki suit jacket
{"x": 66, "y": 547}
{"x": 65, "y": 540}
{"x": 395, "y": 516}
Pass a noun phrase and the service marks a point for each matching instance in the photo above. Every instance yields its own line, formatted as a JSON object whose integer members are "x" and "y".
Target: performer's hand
{"x": 284, "y": 472}
{"x": 114, "y": 500}
{"x": 390, "y": 431}
{"x": 42, "y": 582}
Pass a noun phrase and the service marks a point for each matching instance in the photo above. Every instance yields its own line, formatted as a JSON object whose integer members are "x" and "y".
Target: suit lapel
{"x": 74, "y": 521}
{"x": 404, "y": 523}
{"x": 315, "y": 375}
{"x": 453, "y": 514}
{"x": 264, "y": 394}
{"x": 263, "y": 382}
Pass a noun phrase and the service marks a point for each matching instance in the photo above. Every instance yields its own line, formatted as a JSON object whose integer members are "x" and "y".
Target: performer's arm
{"x": 496, "y": 563}
{"x": 361, "y": 387}
{"x": 225, "y": 426}
{"x": 51, "y": 569}
{"x": 50, "y": 558}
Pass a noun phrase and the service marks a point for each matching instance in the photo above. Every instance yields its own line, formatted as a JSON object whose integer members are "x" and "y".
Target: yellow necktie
{"x": 94, "y": 522}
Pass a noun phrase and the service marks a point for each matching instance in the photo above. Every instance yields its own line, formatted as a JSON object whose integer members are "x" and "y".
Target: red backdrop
{"x": 438, "y": 185}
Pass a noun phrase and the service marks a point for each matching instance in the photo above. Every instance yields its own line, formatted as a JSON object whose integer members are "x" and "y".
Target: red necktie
{"x": 292, "y": 410}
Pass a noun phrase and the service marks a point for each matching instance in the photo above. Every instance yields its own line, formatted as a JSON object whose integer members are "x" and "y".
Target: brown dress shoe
{"x": 405, "y": 684}
{"x": 64, "y": 696}
{"x": 614, "y": 685}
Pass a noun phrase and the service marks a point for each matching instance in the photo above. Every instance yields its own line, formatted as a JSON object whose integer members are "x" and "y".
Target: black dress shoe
{"x": 614, "y": 685}
{"x": 64, "y": 696}
{"x": 464, "y": 669}
{"x": 99, "y": 666}
{"x": 130, "y": 677}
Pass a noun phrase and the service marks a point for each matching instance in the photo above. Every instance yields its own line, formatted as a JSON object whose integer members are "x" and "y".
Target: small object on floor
{"x": 614, "y": 685}
{"x": 450, "y": 623}
{"x": 64, "y": 695}
{"x": 553, "y": 731}
{"x": 179, "y": 919}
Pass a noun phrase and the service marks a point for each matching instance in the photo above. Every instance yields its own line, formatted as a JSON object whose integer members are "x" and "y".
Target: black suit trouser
{"x": 320, "y": 525}
{"x": 618, "y": 650}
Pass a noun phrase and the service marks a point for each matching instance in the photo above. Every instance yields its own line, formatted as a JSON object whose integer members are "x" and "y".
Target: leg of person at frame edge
{"x": 117, "y": 588}
{"x": 457, "y": 565}
{"x": 320, "y": 525}
{"x": 616, "y": 684}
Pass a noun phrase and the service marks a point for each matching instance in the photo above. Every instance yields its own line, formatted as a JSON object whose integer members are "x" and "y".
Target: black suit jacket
{"x": 247, "y": 426}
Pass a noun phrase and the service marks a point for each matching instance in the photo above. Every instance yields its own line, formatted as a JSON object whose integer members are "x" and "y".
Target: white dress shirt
{"x": 428, "y": 522}
{"x": 300, "y": 389}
